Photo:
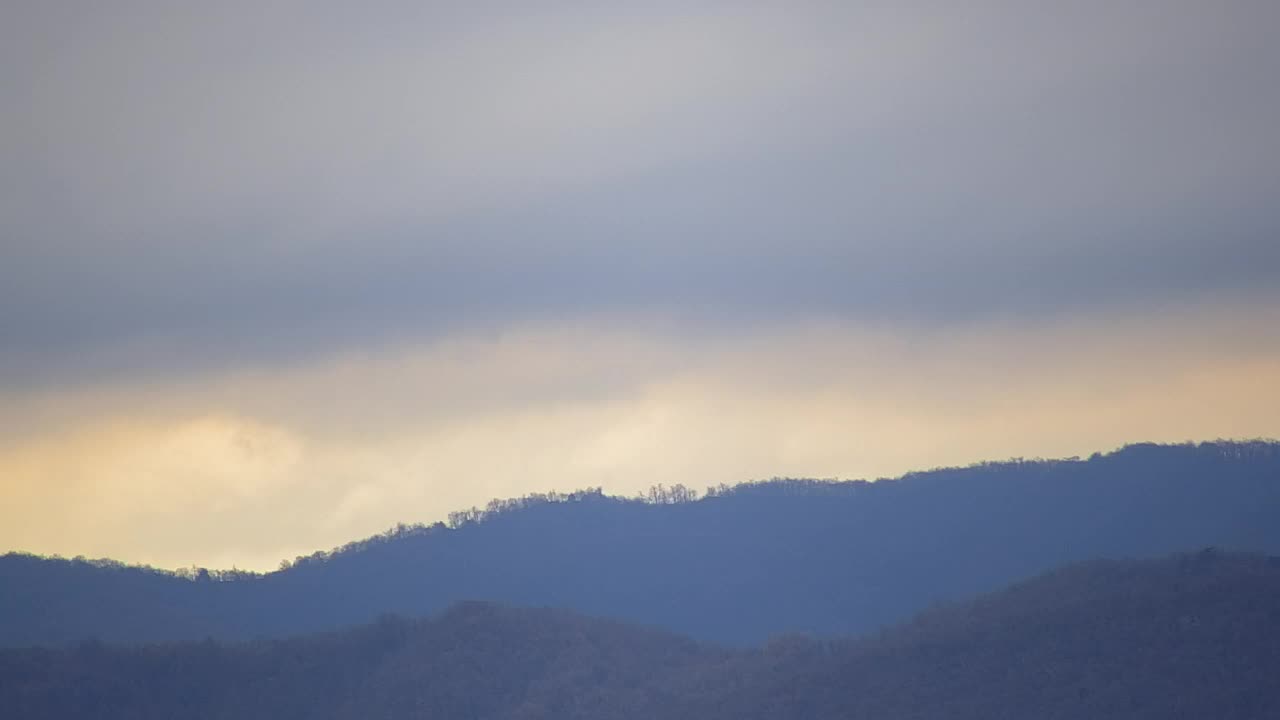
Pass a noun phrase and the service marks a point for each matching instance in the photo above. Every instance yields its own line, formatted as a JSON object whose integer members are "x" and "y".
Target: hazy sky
{"x": 278, "y": 275}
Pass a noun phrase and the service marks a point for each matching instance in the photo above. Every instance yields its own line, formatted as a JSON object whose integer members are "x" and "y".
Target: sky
{"x": 279, "y": 275}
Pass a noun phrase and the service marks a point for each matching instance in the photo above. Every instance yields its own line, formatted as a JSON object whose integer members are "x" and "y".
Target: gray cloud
{"x": 232, "y": 184}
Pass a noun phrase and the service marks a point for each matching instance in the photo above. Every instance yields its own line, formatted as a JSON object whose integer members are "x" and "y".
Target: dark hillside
{"x": 1196, "y": 636}
{"x": 1193, "y": 636}
{"x": 737, "y": 566}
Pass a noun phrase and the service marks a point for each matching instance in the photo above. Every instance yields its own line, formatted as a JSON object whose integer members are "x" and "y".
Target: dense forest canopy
{"x": 734, "y": 565}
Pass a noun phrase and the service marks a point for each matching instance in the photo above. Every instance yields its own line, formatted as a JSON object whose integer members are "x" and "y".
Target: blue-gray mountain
{"x": 736, "y": 567}
{"x": 1193, "y": 636}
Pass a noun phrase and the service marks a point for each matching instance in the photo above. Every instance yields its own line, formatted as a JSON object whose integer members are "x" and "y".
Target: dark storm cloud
{"x": 235, "y": 184}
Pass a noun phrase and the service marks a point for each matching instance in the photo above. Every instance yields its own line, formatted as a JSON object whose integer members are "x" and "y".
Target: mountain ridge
{"x": 1188, "y": 636}
{"x": 810, "y": 556}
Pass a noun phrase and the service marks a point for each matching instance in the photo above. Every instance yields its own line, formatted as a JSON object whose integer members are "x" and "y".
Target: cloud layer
{"x": 249, "y": 468}
{"x": 242, "y": 181}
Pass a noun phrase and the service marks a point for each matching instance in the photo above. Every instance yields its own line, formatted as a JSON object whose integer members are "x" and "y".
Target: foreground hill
{"x": 735, "y": 567}
{"x": 1194, "y": 636}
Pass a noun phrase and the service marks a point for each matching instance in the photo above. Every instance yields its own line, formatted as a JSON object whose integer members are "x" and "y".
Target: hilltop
{"x": 1191, "y": 636}
{"x": 735, "y": 566}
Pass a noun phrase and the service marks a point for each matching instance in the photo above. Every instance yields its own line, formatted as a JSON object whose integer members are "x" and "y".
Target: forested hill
{"x": 736, "y": 566}
{"x": 1193, "y": 636}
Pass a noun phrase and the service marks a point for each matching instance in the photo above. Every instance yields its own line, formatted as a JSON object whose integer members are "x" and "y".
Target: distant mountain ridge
{"x": 1191, "y": 636}
{"x": 735, "y": 567}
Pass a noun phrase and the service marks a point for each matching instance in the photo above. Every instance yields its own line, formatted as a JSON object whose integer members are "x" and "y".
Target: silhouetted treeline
{"x": 736, "y": 566}
{"x": 1193, "y": 636}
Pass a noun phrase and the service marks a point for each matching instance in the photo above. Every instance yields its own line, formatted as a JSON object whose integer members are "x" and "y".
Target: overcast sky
{"x": 278, "y": 275}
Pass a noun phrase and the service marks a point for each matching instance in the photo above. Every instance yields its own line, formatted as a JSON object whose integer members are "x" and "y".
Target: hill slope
{"x": 1194, "y": 636}
{"x": 737, "y": 567}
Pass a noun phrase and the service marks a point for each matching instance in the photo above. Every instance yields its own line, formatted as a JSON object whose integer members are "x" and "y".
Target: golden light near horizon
{"x": 249, "y": 468}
